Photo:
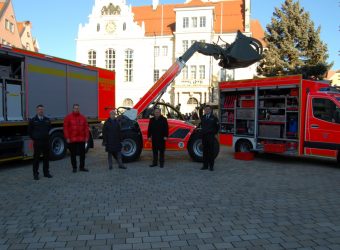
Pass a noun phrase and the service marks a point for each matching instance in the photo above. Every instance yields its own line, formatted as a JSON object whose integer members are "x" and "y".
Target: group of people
{"x": 76, "y": 134}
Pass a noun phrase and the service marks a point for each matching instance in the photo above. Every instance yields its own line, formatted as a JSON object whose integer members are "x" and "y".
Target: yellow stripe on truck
{"x": 47, "y": 71}
{"x": 60, "y": 73}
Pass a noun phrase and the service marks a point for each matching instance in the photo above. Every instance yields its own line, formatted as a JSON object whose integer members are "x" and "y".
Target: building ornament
{"x": 111, "y": 10}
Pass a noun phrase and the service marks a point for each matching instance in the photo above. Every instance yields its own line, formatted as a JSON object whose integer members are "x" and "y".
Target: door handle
{"x": 314, "y": 126}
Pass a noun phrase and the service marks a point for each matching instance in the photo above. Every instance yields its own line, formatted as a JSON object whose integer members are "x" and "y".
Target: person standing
{"x": 38, "y": 129}
{"x": 158, "y": 131}
{"x": 112, "y": 140}
{"x": 209, "y": 125}
{"x": 76, "y": 133}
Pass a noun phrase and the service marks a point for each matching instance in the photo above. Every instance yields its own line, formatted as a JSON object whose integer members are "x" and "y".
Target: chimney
{"x": 155, "y": 4}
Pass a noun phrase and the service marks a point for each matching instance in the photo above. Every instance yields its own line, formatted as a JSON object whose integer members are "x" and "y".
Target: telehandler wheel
{"x": 243, "y": 146}
{"x": 89, "y": 143}
{"x": 195, "y": 147}
{"x": 131, "y": 146}
{"x": 58, "y": 146}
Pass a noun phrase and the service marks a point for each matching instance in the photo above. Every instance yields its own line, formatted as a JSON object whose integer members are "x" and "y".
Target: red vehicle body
{"x": 243, "y": 52}
{"x": 28, "y": 79}
{"x": 287, "y": 115}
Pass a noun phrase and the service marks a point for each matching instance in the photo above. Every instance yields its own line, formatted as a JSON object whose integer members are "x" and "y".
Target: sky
{"x": 55, "y": 23}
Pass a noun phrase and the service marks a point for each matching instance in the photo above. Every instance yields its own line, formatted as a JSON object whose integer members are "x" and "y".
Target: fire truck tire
{"x": 243, "y": 146}
{"x": 58, "y": 146}
{"x": 195, "y": 147}
{"x": 131, "y": 146}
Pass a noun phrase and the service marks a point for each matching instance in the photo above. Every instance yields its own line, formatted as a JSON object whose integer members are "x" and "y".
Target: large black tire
{"x": 89, "y": 143}
{"x": 58, "y": 146}
{"x": 195, "y": 147}
{"x": 243, "y": 145}
{"x": 131, "y": 146}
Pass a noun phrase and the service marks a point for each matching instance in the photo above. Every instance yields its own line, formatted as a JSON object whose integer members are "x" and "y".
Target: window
{"x": 92, "y": 58}
{"x": 110, "y": 59}
{"x": 11, "y": 27}
{"x": 127, "y": 102}
{"x": 185, "y": 45}
{"x": 28, "y": 47}
{"x": 185, "y": 22}
{"x": 326, "y": 110}
{"x": 7, "y": 24}
{"x": 128, "y": 63}
{"x": 98, "y": 27}
{"x": 185, "y": 73}
{"x": 194, "y": 22}
{"x": 202, "y": 72}
{"x": 124, "y": 26}
{"x": 155, "y": 75}
{"x": 165, "y": 50}
{"x": 192, "y": 100}
{"x": 202, "y": 21}
{"x": 193, "y": 72}
{"x": 156, "y": 50}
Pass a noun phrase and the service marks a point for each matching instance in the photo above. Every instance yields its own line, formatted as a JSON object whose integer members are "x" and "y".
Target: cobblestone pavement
{"x": 269, "y": 203}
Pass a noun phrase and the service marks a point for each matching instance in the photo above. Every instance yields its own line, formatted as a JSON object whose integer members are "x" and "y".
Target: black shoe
{"x": 153, "y": 165}
{"x": 110, "y": 167}
{"x": 74, "y": 170}
{"x": 204, "y": 168}
{"x": 48, "y": 175}
{"x": 211, "y": 169}
{"x": 161, "y": 166}
{"x": 122, "y": 167}
{"x": 36, "y": 177}
{"x": 83, "y": 169}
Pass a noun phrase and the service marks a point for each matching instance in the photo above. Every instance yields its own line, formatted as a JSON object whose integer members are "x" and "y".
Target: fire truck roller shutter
{"x": 46, "y": 85}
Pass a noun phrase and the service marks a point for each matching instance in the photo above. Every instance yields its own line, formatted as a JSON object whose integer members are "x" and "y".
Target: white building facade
{"x": 141, "y": 43}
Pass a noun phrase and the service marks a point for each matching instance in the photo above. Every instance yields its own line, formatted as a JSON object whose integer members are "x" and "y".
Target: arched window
{"x": 124, "y": 26}
{"x": 92, "y": 57}
{"x": 192, "y": 100}
{"x": 128, "y": 65}
{"x": 127, "y": 102}
{"x": 110, "y": 59}
{"x": 98, "y": 27}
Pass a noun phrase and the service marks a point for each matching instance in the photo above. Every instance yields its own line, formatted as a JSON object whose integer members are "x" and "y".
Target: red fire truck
{"x": 286, "y": 115}
{"x": 28, "y": 79}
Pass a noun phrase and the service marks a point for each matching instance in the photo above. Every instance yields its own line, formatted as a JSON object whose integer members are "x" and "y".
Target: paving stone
{"x": 270, "y": 203}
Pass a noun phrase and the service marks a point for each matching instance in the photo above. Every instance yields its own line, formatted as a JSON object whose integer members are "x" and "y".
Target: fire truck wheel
{"x": 131, "y": 146}
{"x": 243, "y": 146}
{"x": 195, "y": 147}
{"x": 57, "y": 146}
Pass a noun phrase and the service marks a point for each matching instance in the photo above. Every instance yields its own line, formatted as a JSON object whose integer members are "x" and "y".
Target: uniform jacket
{"x": 157, "y": 130}
{"x": 39, "y": 130}
{"x": 209, "y": 125}
{"x": 76, "y": 128}
{"x": 112, "y": 135}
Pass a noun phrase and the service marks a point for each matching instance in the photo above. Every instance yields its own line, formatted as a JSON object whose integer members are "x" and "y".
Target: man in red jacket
{"x": 76, "y": 132}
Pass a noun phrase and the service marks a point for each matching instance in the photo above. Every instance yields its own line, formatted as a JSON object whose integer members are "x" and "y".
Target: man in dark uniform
{"x": 38, "y": 129}
{"x": 209, "y": 124}
{"x": 158, "y": 131}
